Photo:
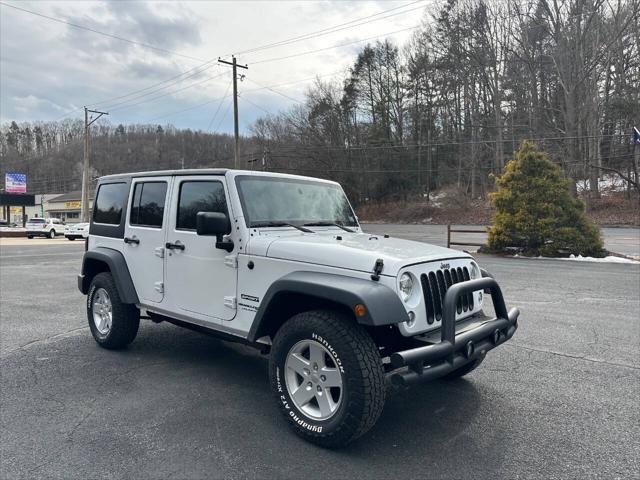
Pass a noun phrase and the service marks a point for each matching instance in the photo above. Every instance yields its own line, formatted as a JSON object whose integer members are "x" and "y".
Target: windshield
{"x": 290, "y": 200}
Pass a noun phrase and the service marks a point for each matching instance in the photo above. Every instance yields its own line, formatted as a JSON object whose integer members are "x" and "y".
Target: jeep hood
{"x": 354, "y": 251}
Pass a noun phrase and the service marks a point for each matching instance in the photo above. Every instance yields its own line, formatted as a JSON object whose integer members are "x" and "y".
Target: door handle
{"x": 133, "y": 240}
{"x": 174, "y": 246}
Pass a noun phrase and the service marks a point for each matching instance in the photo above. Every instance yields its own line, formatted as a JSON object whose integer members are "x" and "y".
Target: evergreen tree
{"x": 537, "y": 212}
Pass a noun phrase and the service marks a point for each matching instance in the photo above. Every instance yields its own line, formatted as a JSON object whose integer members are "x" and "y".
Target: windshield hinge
{"x": 377, "y": 269}
{"x": 231, "y": 261}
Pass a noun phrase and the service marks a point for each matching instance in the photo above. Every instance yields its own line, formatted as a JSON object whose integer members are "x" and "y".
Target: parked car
{"x": 280, "y": 263}
{"x": 4, "y": 223}
{"x": 45, "y": 227}
{"x": 77, "y": 230}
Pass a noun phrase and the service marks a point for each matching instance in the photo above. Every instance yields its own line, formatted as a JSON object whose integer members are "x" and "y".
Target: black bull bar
{"x": 455, "y": 350}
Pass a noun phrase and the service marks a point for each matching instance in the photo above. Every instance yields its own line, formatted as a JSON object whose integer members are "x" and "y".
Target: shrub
{"x": 536, "y": 211}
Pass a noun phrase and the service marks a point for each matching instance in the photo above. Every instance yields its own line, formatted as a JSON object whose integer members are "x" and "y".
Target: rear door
{"x": 199, "y": 281}
{"x": 143, "y": 246}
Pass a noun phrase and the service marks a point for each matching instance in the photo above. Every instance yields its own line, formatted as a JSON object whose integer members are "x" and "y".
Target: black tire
{"x": 52, "y": 234}
{"x": 357, "y": 357}
{"x": 71, "y": 239}
{"x": 463, "y": 370}
{"x": 125, "y": 317}
{"x": 29, "y": 237}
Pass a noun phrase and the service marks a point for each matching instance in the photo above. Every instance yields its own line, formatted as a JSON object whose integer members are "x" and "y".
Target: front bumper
{"x": 456, "y": 349}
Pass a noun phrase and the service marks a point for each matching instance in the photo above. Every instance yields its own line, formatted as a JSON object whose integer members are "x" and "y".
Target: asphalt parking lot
{"x": 560, "y": 400}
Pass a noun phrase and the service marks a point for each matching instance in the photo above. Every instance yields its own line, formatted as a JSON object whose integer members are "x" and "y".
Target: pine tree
{"x": 536, "y": 211}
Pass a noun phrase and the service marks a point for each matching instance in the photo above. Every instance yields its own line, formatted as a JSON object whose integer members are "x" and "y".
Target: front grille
{"x": 435, "y": 285}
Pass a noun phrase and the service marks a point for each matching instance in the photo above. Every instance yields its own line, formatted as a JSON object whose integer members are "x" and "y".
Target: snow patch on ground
{"x": 606, "y": 184}
{"x": 580, "y": 258}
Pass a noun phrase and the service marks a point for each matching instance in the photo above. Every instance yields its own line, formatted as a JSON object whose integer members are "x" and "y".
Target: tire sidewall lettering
{"x": 320, "y": 339}
{"x": 291, "y": 412}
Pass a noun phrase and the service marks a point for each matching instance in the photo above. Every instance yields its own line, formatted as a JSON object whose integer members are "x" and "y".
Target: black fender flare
{"x": 116, "y": 264}
{"x": 383, "y": 306}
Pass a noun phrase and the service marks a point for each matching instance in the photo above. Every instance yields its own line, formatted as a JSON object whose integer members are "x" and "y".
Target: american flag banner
{"x": 15, "y": 183}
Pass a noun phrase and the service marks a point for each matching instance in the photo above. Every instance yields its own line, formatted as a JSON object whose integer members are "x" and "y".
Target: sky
{"x": 49, "y": 70}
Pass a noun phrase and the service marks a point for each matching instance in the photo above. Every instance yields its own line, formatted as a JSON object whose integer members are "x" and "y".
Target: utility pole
{"x": 235, "y": 65}
{"x": 86, "y": 180}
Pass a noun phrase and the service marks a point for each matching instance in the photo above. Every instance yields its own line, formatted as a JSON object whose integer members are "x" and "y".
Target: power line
{"x": 112, "y": 106}
{"x": 309, "y": 52}
{"x": 226, "y": 112}
{"x": 155, "y": 85}
{"x": 254, "y": 104}
{"x": 168, "y": 93}
{"x": 200, "y": 105}
{"x": 226, "y": 94}
{"x": 110, "y": 35}
{"x": 336, "y": 28}
{"x": 276, "y": 92}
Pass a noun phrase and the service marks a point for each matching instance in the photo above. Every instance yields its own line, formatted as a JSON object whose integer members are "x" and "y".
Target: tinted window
{"x": 147, "y": 208}
{"x": 109, "y": 203}
{"x": 199, "y": 197}
{"x": 36, "y": 220}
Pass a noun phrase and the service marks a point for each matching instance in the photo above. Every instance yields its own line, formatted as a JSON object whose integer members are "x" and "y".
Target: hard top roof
{"x": 203, "y": 171}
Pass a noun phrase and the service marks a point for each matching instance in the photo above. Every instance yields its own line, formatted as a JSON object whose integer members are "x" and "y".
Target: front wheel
{"x": 71, "y": 238}
{"x": 52, "y": 234}
{"x": 113, "y": 324}
{"x": 327, "y": 376}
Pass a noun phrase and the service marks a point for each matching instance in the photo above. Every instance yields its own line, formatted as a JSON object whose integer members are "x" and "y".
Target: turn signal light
{"x": 360, "y": 310}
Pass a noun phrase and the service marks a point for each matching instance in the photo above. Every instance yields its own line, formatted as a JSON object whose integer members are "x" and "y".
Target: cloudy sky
{"x": 49, "y": 68}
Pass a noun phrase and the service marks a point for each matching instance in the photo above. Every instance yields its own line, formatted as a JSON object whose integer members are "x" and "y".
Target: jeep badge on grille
{"x": 444, "y": 266}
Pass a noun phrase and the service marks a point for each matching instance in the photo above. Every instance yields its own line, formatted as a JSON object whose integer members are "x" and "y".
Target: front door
{"x": 198, "y": 281}
{"x": 144, "y": 236}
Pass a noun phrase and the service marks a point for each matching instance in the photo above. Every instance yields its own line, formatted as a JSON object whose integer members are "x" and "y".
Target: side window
{"x": 110, "y": 203}
{"x": 147, "y": 208}
{"x": 199, "y": 196}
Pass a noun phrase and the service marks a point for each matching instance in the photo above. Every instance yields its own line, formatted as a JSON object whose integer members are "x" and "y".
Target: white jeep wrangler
{"x": 280, "y": 262}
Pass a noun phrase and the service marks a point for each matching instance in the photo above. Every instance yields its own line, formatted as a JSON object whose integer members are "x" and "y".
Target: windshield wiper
{"x": 279, "y": 224}
{"x": 328, "y": 224}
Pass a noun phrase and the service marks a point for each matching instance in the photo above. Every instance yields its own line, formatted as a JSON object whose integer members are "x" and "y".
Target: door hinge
{"x": 231, "y": 261}
{"x": 159, "y": 252}
{"x": 159, "y": 287}
{"x": 230, "y": 302}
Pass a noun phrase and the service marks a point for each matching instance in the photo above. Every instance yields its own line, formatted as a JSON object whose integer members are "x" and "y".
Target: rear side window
{"x": 110, "y": 203}
{"x": 147, "y": 208}
{"x": 199, "y": 196}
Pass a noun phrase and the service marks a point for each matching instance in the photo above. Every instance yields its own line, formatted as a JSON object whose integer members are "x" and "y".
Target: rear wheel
{"x": 326, "y": 374}
{"x": 71, "y": 238}
{"x": 29, "y": 237}
{"x": 113, "y": 324}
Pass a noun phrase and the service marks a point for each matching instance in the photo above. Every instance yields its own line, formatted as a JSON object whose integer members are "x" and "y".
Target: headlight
{"x": 406, "y": 286}
{"x": 475, "y": 271}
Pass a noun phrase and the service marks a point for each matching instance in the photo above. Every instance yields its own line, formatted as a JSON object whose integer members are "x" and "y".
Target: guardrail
{"x": 463, "y": 230}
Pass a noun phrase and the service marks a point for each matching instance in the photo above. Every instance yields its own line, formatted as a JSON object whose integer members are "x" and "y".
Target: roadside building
{"x": 66, "y": 207}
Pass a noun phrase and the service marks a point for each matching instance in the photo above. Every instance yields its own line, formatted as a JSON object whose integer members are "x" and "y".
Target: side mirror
{"x": 214, "y": 224}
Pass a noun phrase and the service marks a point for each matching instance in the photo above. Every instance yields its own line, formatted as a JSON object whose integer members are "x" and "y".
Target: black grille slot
{"x": 435, "y": 285}
{"x": 437, "y": 298}
{"x": 428, "y": 298}
{"x": 465, "y": 273}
